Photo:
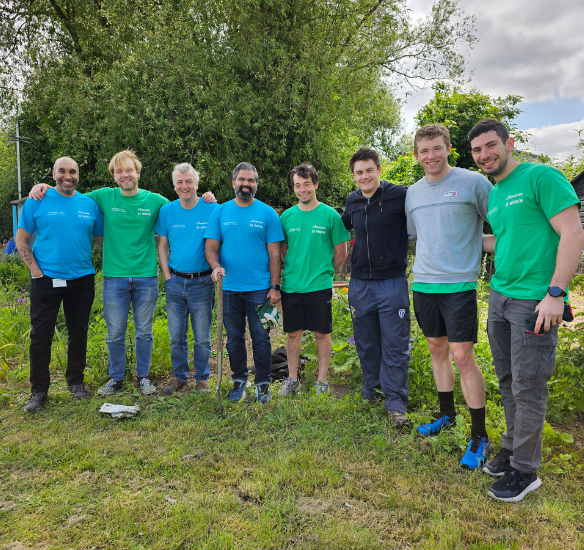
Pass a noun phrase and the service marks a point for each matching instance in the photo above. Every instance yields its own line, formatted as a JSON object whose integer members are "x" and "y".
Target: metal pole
{"x": 18, "y": 158}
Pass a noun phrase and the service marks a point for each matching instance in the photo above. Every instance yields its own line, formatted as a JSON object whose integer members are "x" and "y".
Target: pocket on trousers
{"x": 537, "y": 356}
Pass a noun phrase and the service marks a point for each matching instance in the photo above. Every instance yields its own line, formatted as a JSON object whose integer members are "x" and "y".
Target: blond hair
{"x": 122, "y": 158}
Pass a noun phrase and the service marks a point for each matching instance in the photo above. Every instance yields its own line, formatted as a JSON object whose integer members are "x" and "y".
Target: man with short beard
{"x": 243, "y": 244}
{"x": 537, "y": 240}
{"x": 61, "y": 269}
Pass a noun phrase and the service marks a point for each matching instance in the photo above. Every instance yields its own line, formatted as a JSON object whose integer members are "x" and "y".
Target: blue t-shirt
{"x": 64, "y": 227}
{"x": 244, "y": 233}
{"x": 185, "y": 230}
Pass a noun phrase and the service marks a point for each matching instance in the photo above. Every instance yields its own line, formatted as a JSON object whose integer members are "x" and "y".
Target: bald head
{"x": 66, "y": 175}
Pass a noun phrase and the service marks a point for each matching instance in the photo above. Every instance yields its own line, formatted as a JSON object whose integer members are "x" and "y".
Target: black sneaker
{"x": 36, "y": 401}
{"x": 514, "y": 485}
{"x": 500, "y": 464}
{"x": 79, "y": 392}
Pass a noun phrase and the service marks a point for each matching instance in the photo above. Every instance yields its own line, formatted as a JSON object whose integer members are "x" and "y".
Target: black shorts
{"x": 453, "y": 315}
{"x": 308, "y": 311}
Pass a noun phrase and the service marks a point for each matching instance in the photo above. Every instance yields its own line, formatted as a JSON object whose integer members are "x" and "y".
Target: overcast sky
{"x": 534, "y": 49}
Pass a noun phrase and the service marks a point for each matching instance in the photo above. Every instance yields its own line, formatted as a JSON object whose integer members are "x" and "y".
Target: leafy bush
{"x": 13, "y": 271}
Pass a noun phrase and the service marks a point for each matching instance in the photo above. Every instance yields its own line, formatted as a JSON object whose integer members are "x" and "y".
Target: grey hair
{"x": 183, "y": 168}
{"x": 245, "y": 166}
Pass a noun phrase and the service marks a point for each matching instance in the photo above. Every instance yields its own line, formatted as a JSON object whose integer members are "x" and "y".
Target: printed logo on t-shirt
{"x": 178, "y": 225}
{"x": 318, "y": 229}
{"x": 294, "y": 229}
{"x": 450, "y": 193}
{"x": 144, "y": 212}
{"x": 86, "y": 215}
{"x": 510, "y": 200}
{"x": 492, "y": 211}
{"x": 56, "y": 213}
{"x": 118, "y": 210}
{"x": 229, "y": 223}
{"x": 256, "y": 223}
{"x": 201, "y": 225}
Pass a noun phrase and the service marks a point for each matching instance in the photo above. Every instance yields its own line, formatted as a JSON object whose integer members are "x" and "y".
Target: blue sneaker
{"x": 441, "y": 422}
{"x": 263, "y": 393}
{"x": 237, "y": 393}
{"x": 477, "y": 453}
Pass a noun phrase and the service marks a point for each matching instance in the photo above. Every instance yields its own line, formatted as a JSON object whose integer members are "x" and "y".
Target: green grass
{"x": 302, "y": 472}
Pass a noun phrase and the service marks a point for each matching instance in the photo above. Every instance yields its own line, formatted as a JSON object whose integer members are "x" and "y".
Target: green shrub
{"x": 13, "y": 272}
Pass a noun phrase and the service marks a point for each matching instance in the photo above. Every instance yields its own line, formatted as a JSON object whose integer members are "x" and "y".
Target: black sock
{"x": 477, "y": 417}
{"x": 447, "y": 403}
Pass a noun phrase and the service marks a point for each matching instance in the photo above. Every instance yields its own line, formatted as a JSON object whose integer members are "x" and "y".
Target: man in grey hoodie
{"x": 445, "y": 212}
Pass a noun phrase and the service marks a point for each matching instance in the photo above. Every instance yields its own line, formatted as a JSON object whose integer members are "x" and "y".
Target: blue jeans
{"x": 236, "y": 306}
{"x": 192, "y": 297}
{"x": 118, "y": 294}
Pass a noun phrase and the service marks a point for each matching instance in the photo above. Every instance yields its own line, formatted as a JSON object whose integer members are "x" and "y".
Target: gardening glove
{"x": 269, "y": 315}
{"x": 119, "y": 411}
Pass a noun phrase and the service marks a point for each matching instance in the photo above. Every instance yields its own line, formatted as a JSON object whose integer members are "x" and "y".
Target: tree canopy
{"x": 272, "y": 82}
{"x": 460, "y": 110}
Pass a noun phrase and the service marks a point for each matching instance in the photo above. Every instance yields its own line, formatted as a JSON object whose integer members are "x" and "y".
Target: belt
{"x": 191, "y": 275}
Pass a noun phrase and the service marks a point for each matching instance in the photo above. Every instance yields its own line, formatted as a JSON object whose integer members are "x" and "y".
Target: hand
{"x": 209, "y": 197}
{"x": 550, "y": 311}
{"x": 218, "y": 271}
{"x": 38, "y": 191}
{"x": 274, "y": 296}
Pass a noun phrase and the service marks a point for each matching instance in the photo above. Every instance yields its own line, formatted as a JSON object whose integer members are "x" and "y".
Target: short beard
{"x": 245, "y": 196}
{"x": 501, "y": 167}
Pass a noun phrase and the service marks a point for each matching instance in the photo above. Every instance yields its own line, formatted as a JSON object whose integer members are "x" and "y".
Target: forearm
{"x": 489, "y": 243}
{"x": 567, "y": 258}
{"x": 274, "y": 268}
{"x": 163, "y": 255}
{"x": 26, "y": 253}
{"x": 212, "y": 256}
{"x": 339, "y": 259}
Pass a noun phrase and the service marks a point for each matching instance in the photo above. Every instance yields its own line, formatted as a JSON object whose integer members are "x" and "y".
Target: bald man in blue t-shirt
{"x": 60, "y": 265}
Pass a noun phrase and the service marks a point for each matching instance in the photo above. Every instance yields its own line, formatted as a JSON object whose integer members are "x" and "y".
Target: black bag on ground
{"x": 280, "y": 365}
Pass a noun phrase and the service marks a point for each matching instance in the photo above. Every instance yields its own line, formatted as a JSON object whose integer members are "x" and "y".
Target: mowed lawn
{"x": 300, "y": 472}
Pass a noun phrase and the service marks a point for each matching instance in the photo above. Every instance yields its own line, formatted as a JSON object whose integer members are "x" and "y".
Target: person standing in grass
{"x": 445, "y": 212}
{"x": 187, "y": 278}
{"x": 243, "y": 244}
{"x": 537, "y": 240}
{"x": 314, "y": 247}
{"x": 62, "y": 272}
{"x": 378, "y": 289}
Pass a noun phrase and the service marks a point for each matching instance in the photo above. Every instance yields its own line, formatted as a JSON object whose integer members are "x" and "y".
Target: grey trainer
{"x": 290, "y": 386}
{"x": 110, "y": 387}
{"x": 398, "y": 419}
{"x": 321, "y": 387}
{"x": 147, "y": 387}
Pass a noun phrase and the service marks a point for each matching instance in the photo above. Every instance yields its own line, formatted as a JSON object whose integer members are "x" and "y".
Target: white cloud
{"x": 558, "y": 141}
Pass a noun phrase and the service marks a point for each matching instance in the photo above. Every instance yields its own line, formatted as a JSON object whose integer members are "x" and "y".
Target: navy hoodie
{"x": 381, "y": 236}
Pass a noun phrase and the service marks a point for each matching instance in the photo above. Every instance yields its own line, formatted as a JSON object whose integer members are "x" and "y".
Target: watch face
{"x": 555, "y": 291}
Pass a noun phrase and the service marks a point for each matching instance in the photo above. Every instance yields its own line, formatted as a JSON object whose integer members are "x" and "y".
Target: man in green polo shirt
{"x": 537, "y": 240}
{"x": 314, "y": 247}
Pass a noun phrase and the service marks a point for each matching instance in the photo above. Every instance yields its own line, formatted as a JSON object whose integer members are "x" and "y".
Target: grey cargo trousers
{"x": 524, "y": 362}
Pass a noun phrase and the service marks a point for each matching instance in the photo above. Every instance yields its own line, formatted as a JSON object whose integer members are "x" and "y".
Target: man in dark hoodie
{"x": 378, "y": 291}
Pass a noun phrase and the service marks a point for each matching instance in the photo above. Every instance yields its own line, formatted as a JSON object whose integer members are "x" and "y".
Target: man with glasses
{"x": 314, "y": 247}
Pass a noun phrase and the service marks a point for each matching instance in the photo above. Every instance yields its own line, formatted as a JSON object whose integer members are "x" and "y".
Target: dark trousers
{"x": 381, "y": 326}
{"x": 237, "y": 306}
{"x": 45, "y": 300}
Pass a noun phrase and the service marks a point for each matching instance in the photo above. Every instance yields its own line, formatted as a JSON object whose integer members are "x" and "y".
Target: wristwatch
{"x": 275, "y": 287}
{"x": 556, "y": 292}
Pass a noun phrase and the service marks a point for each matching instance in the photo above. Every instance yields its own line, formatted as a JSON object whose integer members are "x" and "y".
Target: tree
{"x": 273, "y": 82}
{"x": 459, "y": 111}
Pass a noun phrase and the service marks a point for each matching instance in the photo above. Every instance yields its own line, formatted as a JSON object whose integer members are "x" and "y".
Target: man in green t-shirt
{"x": 314, "y": 247}
{"x": 537, "y": 240}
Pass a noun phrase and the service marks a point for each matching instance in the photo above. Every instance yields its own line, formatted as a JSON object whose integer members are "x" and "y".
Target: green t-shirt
{"x": 311, "y": 237}
{"x": 444, "y": 288}
{"x": 519, "y": 209}
{"x": 128, "y": 234}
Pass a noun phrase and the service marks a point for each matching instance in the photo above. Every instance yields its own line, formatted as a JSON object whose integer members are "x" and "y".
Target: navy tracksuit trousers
{"x": 381, "y": 327}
